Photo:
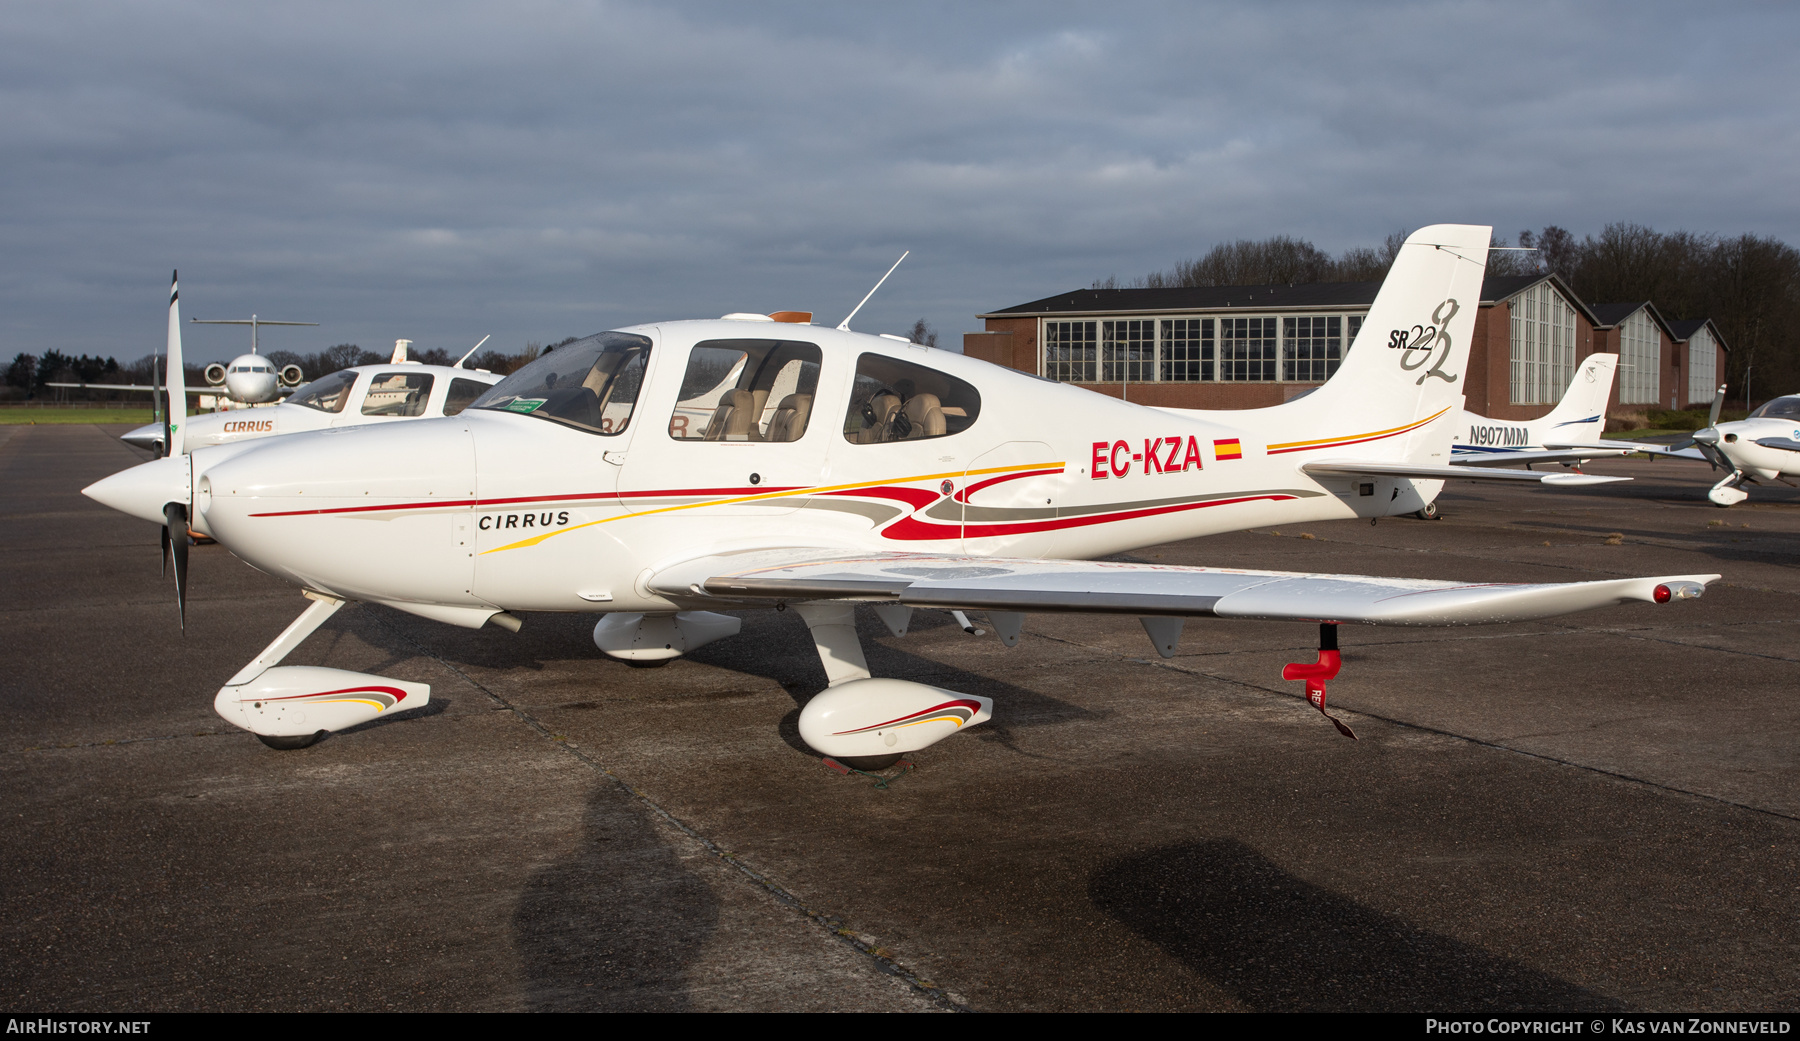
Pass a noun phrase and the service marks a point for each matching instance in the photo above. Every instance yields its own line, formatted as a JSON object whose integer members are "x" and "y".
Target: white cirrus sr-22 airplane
{"x": 659, "y": 473}
{"x": 399, "y": 389}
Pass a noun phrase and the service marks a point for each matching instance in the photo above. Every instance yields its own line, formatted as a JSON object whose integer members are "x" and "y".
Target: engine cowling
{"x": 881, "y": 716}
{"x": 291, "y": 376}
{"x": 215, "y": 374}
{"x": 297, "y": 700}
{"x": 659, "y": 637}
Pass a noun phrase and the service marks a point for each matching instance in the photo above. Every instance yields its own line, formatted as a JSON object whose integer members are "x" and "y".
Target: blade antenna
{"x": 844, "y": 326}
{"x": 472, "y": 350}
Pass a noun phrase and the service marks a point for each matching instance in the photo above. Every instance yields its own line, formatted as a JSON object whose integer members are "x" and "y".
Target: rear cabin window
{"x": 746, "y": 390}
{"x": 463, "y": 393}
{"x": 327, "y": 393}
{"x": 591, "y": 384}
{"x": 896, "y": 400}
{"x": 397, "y": 394}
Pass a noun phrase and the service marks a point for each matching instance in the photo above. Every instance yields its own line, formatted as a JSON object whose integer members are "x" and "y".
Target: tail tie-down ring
{"x": 1315, "y": 674}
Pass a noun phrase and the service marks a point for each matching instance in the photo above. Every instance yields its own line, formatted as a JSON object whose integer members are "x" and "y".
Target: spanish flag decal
{"x": 1227, "y": 449}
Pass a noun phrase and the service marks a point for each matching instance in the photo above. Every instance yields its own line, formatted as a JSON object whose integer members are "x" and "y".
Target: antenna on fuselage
{"x": 251, "y": 321}
{"x": 472, "y": 350}
{"x": 844, "y": 326}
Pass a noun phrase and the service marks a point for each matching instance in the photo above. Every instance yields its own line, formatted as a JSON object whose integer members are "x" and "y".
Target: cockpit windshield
{"x": 1780, "y": 408}
{"x": 327, "y": 393}
{"x": 591, "y": 384}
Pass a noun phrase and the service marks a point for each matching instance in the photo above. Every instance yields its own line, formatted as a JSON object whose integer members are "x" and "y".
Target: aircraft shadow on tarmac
{"x": 616, "y": 924}
{"x": 1279, "y": 944}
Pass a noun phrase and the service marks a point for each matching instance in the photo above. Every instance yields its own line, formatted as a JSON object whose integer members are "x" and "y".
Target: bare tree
{"x": 923, "y": 333}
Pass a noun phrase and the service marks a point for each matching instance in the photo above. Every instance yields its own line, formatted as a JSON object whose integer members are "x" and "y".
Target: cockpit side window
{"x": 746, "y": 390}
{"x": 327, "y": 393}
{"x": 397, "y": 394}
{"x": 896, "y": 400}
{"x": 591, "y": 384}
{"x": 1780, "y": 408}
{"x": 462, "y": 393}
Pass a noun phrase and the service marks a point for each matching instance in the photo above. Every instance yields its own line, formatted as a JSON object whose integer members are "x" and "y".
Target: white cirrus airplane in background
{"x": 395, "y": 390}
{"x": 658, "y": 473}
{"x": 1763, "y": 447}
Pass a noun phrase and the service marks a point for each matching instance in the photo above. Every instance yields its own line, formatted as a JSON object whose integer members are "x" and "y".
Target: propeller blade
{"x": 1712, "y": 418}
{"x": 175, "y": 416}
{"x": 176, "y": 527}
{"x": 165, "y": 550}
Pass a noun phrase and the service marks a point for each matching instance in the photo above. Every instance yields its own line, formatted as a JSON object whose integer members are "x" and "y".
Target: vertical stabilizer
{"x": 1407, "y": 365}
{"x": 1582, "y": 410}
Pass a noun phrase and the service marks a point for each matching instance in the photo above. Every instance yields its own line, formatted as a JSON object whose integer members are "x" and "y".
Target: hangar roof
{"x": 1305, "y": 296}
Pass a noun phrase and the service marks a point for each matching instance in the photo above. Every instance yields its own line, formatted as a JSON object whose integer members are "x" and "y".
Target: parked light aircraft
{"x": 1576, "y": 422}
{"x": 658, "y": 473}
{"x": 396, "y": 390}
{"x": 1763, "y": 447}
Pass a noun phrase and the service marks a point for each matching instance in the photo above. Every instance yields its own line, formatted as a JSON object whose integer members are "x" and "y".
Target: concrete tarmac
{"x": 1597, "y": 813}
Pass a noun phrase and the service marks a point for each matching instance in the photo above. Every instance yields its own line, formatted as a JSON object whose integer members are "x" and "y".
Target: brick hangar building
{"x": 1224, "y": 347}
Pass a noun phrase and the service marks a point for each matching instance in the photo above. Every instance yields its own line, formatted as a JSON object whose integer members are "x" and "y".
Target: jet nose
{"x": 145, "y": 489}
{"x": 148, "y": 437}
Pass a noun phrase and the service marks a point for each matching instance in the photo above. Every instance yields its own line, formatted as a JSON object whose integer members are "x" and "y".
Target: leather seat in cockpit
{"x": 734, "y": 419}
{"x": 790, "y": 417}
{"x": 925, "y": 416}
{"x": 575, "y": 404}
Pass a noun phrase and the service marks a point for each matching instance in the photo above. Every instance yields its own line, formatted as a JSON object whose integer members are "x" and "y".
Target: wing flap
{"x": 986, "y": 583}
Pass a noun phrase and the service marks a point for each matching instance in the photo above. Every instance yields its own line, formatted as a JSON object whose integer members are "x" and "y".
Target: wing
{"x": 1352, "y": 468}
{"x": 1008, "y": 584}
{"x": 1629, "y": 447}
{"x": 1572, "y": 455}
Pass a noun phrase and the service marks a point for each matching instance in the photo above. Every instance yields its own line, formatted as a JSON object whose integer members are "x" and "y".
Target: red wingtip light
{"x": 1663, "y": 594}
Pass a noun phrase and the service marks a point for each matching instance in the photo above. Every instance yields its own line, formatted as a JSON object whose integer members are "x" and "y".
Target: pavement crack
{"x": 826, "y": 921}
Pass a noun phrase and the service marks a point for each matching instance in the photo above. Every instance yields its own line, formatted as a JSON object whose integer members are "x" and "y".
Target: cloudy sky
{"x": 537, "y": 170}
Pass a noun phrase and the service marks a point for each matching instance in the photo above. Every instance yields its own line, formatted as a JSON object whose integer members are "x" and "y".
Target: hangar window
{"x": 327, "y": 393}
{"x": 591, "y": 384}
{"x": 1703, "y": 360}
{"x": 1640, "y": 359}
{"x": 1543, "y": 345}
{"x": 1187, "y": 349}
{"x": 896, "y": 400}
{"x": 1311, "y": 348}
{"x": 1247, "y": 349}
{"x": 1128, "y": 351}
{"x": 746, "y": 390}
{"x": 397, "y": 394}
{"x": 1069, "y": 351}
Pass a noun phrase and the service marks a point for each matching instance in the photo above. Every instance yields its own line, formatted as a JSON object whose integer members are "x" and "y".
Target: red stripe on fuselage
{"x": 911, "y": 529}
{"x": 479, "y": 503}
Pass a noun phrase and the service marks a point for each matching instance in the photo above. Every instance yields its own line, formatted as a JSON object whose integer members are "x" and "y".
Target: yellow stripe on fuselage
{"x": 1361, "y": 437}
{"x": 760, "y": 496}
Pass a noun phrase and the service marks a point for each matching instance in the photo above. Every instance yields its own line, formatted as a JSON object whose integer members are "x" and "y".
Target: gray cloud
{"x": 540, "y": 170}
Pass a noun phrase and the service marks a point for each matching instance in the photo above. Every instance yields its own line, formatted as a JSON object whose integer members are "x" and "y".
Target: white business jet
{"x": 659, "y": 473}
{"x": 396, "y": 390}
{"x": 250, "y": 379}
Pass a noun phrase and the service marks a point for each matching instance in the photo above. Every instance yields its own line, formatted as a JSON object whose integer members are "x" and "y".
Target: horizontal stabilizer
{"x": 1450, "y": 473}
{"x": 1003, "y": 584}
